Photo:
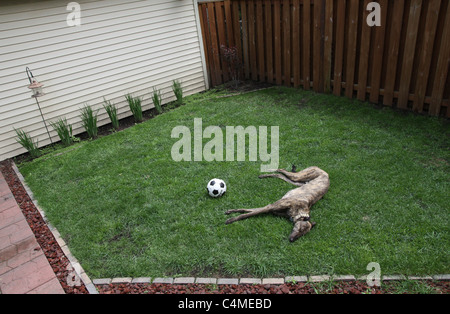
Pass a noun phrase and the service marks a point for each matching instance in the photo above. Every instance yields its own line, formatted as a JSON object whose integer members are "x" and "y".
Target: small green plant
{"x": 27, "y": 142}
{"x": 111, "y": 109}
{"x": 156, "y": 97}
{"x": 89, "y": 121}
{"x": 64, "y": 131}
{"x": 135, "y": 107}
{"x": 178, "y": 91}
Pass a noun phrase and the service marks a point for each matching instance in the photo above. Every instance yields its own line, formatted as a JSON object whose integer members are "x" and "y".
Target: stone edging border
{"x": 90, "y": 284}
{"x": 255, "y": 281}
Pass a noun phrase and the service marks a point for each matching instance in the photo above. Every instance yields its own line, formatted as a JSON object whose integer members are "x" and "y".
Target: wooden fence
{"x": 327, "y": 46}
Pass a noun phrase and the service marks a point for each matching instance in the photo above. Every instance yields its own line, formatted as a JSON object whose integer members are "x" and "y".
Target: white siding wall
{"x": 120, "y": 47}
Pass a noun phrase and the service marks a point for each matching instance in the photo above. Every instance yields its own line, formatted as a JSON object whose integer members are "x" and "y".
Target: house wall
{"x": 120, "y": 47}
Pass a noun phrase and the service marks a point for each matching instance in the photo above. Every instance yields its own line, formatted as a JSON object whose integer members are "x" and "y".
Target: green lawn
{"x": 126, "y": 209}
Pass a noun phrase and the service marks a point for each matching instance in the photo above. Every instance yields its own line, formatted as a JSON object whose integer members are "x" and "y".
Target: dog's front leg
{"x": 277, "y": 206}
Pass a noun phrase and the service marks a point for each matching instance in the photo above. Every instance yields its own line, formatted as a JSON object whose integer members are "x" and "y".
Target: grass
{"x": 125, "y": 208}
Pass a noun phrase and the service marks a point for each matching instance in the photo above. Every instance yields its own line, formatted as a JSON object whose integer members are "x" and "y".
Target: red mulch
{"x": 350, "y": 287}
{"x": 59, "y": 262}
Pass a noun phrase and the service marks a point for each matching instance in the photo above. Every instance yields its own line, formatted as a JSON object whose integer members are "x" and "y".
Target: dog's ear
{"x": 312, "y": 224}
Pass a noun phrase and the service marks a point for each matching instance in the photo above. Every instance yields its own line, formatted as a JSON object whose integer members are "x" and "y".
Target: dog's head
{"x": 301, "y": 227}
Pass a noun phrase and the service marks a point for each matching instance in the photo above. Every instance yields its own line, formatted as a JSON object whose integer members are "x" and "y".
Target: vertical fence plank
{"x": 366, "y": 32}
{"x": 427, "y": 53}
{"x": 378, "y": 47}
{"x": 245, "y": 38}
{"x": 229, "y": 23}
{"x": 409, "y": 53}
{"x": 394, "y": 44}
{"x": 260, "y": 40}
{"x": 236, "y": 19}
{"x": 252, "y": 40}
{"x": 221, "y": 31}
{"x": 306, "y": 43}
{"x": 351, "y": 51}
{"x": 296, "y": 42}
{"x": 287, "y": 42}
{"x": 317, "y": 40}
{"x": 442, "y": 70}
{"x": 205, "y": 36}
{"x": 277, "y": 40}
{"x": 214, "y": 44}
{"x": 268, "y": 37}
{"x": 328, "y": 44}
{"x": 339, "y": 54}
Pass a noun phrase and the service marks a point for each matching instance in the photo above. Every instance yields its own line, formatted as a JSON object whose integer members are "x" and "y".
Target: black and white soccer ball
{"x": 216, "y": 187}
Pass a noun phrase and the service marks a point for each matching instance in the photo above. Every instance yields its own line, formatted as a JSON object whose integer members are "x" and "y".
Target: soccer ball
{"x": 216, "y": 187}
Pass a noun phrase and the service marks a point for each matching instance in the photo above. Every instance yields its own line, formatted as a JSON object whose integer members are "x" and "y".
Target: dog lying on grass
{"x": 312, "y": 184}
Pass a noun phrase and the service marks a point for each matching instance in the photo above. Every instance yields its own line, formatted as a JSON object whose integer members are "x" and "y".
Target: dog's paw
{"x": 305, "y": 217}
{"x": 230, "y": 221}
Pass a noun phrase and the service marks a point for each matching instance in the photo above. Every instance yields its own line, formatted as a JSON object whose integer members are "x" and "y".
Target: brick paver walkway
{"x": 23, "y": 266}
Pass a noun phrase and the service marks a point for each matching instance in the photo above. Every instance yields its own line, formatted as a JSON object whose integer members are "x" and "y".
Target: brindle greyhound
{"x": 312, "y": 184}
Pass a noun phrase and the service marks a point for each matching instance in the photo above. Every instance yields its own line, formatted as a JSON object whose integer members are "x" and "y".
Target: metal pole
{"x": 43, "y": 120}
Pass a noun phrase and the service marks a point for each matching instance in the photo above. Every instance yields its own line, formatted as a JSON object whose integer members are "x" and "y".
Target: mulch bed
{"x": 351, "y": 287}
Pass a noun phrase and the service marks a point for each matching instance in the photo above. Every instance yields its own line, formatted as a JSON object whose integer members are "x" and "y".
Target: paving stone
{"x": 91, "y": 288}
{"x": 184, "y": 280}
{"x": 296, "y": 279}
{"x": 344, "y": 278}
{"x": 23, "y": 265}
{"x": 250, "y": 281}
{"x": 206, "y": 281}
{"x": 122, "y": 280}
{"x": 142, "y": 280}
{"x": 393, "y": 277}
{"x": 102, "y": 281}
{"x": 442, "y": 277}
{"x": 273, "y": 281}
{"x": 420, "y": 278}
{"x": 228, "y": 281}
{"x": 163, "y": 280}
{"x": 319, "y": 278}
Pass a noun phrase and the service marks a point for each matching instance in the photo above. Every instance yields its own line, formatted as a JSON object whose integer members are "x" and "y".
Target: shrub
{"x": 156, "y": 97}
{"x": 89, "y": 121}
{"x": 27, "y": 142}
{"x": 178, "y": 91}
{"x": 135, "y": 107}
{"x": 112, "y": 113}
{"x": 230, "y": 55}
{"x": 64, "y": 131}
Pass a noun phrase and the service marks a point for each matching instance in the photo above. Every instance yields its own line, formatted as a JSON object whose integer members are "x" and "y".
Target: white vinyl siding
{"x": 120, "y": 47}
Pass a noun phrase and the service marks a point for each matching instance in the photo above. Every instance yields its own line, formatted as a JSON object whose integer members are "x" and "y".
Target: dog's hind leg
{"x": 280, "y": 176}
{"x": 305, "y": 175}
